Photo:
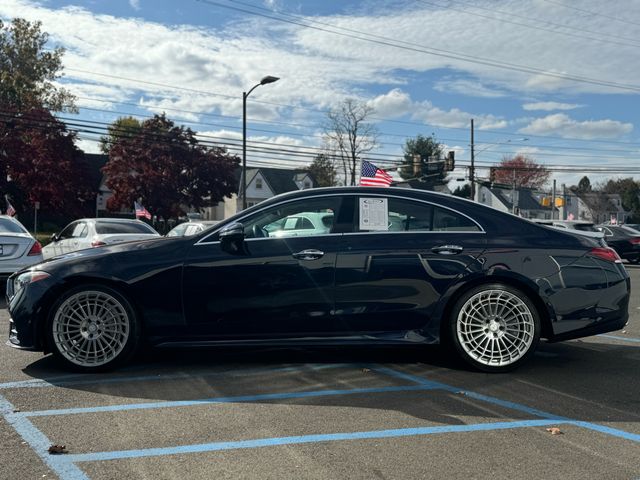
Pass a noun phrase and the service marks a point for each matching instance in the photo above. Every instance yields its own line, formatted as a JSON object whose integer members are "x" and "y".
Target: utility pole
{"x": 472, "y": 170}
{"x": 416, "y": 165}
{"x": 513, "y": 193}
{"x": 564, "y": 201}
{"x": 553, "y": 201}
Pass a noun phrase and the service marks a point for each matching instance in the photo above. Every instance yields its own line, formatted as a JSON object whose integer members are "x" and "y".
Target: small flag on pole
{"x": 570, "y": 216}
{"x": 10, "y": 210}
{"x": 372, "y": 176}
{"x": 614, "y": 220}
{"x": 141, "y": 211}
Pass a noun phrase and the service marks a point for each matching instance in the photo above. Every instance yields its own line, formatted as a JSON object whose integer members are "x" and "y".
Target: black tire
{"x": 479, "y": 319}
{"x": 73, "y": 327}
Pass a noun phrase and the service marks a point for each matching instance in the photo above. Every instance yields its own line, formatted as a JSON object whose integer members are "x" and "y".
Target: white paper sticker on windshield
{"x": 374, "y": 214}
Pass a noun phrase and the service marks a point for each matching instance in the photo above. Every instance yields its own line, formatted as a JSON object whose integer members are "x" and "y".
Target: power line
{"x": 595, "y": 14}
{"x": 386, "y": 41}
{"x": 502, "y": 20}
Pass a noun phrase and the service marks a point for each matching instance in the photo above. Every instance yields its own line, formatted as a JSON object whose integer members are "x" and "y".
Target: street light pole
{"x": 264, "y": 81}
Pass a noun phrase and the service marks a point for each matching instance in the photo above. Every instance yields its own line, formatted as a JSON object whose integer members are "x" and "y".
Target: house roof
{"x": 280, "y": 180}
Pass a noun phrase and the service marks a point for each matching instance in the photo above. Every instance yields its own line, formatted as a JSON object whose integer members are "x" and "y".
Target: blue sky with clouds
{"x": 425, "y": 66}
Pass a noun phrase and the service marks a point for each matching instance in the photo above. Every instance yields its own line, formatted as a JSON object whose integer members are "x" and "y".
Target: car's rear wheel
{"x": 93, "y": 328}
{"x": 495, "y": 328}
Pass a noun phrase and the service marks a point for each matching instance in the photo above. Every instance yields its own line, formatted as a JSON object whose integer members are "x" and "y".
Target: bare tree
{"x": 350, "y": 135}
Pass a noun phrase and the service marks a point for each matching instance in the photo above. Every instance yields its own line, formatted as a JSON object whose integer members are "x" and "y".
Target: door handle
{"x": 310, "y": 254}
{"x": 447, "y": 249}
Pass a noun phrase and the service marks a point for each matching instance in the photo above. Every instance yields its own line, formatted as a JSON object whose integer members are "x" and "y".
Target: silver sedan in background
{"x": 18, "y": 248}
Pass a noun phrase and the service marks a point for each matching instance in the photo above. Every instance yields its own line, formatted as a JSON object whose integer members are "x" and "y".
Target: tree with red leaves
{"x": 166, "y": 167}
{"x": 39, "y": 162}
{"x": 521, "y": 171}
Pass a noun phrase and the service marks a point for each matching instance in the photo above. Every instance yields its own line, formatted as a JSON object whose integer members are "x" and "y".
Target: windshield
{"x": 7, "y": 226}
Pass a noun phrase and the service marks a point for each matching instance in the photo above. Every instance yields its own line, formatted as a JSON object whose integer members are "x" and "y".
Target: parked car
{"x": 187, "y": 229}
{"x": 486, "y": 283}
{"x": 18, "y": 248}
{"x": 305, "y": 223}
{"x": 587, "y": 229}
{"x": 97, "y": 232}
{"x": 635, "y": 226}
{"x": 624, "y": 240}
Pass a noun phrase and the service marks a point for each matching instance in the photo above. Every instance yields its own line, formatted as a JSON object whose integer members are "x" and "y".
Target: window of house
{"x": 258, "y": 183}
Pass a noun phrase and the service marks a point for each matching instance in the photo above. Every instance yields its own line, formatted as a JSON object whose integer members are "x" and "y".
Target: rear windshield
{"x": 11, "y": 227}
{"x": 586, "y": 227}
{"x": 105, "y": 228}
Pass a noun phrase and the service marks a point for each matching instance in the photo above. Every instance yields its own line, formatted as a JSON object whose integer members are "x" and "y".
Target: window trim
{"x": 205, "y": 240}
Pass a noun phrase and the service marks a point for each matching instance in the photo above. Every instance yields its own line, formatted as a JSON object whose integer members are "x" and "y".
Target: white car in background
{"x": 587, "y": 229}
{"x": 97, "y": 232}
{"x": 18, "y": 248}
{"x": 301, "y": 224}
{"x": 187, "y": 229}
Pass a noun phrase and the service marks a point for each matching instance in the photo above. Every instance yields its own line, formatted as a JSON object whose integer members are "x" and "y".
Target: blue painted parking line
{"x": 624, "y": 339}
{"x": 515, "y": 406}
{"x": 73, "y": 380}
{"x": 328, "y": 437}
{"x": 38, "y": 441}
{"x": 235, "y": 399}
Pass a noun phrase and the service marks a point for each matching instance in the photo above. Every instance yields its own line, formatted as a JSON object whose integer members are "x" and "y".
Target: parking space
{"x": 328, "y": 413}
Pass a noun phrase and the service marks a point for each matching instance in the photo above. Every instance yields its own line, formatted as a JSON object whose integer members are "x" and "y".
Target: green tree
{"x": 427, "y": 148}
{"x": 28, "y": 72}
{"x": 123, "y": 127}
{"x": 584, "y": 185}
{"x": 629, "y": 190}
{"x": 464, "y": 191}
{"x": 166, "y": 166}
{"x": 323, "y": 171}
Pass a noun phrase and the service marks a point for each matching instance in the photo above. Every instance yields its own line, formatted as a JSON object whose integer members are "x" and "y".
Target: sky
{"x": 557, "y": 80}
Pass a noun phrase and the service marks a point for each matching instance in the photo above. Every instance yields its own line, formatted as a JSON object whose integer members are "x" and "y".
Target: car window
{"x": 294, "y": 219}
{"x": 407, "y": 215}
{"x": 11, "y": 226}
{"x": 585, "y": 227}
{"x": 178, "y": 230}
{"x": 68, "y": 231}
{"x": 106, "y": 227}
{"x": 80, "y": 230}
{"x": 192, "y": 230}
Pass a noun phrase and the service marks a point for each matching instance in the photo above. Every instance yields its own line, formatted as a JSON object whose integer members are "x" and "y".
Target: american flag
{"x": 141, "y": 211}
{"x": 10, "y": 210}
{"x": 372, "y": 176}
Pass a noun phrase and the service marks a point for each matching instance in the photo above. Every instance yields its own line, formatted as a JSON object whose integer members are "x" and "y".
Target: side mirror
{"x": 232, "y": 239}
{"x": 55, "y": 238}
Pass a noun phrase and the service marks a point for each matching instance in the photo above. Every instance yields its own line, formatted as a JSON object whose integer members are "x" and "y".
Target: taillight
{"x": 98, "y": 243}
{"x": 36, "y": 249}
{"x": 605, "y": 253}
{"x": 635, "y": 241}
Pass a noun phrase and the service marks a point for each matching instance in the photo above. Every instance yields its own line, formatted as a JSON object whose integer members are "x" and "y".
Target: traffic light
{"x": 492, "y": 174}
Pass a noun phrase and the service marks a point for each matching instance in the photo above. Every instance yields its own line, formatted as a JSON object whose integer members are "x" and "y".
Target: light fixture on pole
{"x": 264, "y": 81}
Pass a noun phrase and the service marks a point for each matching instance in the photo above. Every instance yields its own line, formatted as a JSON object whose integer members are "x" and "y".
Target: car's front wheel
{"x": 495, "y": 327}
{"x": 93, "y": 328}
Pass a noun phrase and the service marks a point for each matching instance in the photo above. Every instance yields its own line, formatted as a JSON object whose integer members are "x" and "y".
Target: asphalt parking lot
{"x": 328, "y": 413}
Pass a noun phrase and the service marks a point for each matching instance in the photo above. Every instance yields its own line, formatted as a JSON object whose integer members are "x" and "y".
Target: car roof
{"x": 111, "y": 220}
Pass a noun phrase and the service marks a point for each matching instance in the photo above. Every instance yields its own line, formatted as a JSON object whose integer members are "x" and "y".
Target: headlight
{"x": 25, "y": 279}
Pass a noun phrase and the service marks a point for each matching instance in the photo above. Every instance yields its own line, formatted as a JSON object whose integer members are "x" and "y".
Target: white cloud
{"x": 393, "y": 104}
{"x": 549, "y": 106}
{"x": 455, "y": 118}
{"x": 562, "y": 125}
{"x": 472, "y": 88}
{"x": 135, "y": 4}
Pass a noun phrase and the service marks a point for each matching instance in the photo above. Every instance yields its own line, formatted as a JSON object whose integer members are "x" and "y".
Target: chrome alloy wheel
{"x": 91, "y": 328}
{"x": 495, "y": 327}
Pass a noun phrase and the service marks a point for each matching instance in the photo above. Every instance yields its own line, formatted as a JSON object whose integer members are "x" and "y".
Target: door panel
{"x": 393, "y": 280}
{"x": 282, "y": 286}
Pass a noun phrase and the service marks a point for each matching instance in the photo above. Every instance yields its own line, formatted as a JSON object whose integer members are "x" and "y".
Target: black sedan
{"x": 624, "y": 240}
{"x": 389, "y": 266}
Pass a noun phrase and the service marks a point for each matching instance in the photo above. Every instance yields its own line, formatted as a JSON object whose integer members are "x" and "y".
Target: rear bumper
{"x": 595, "y": 329}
